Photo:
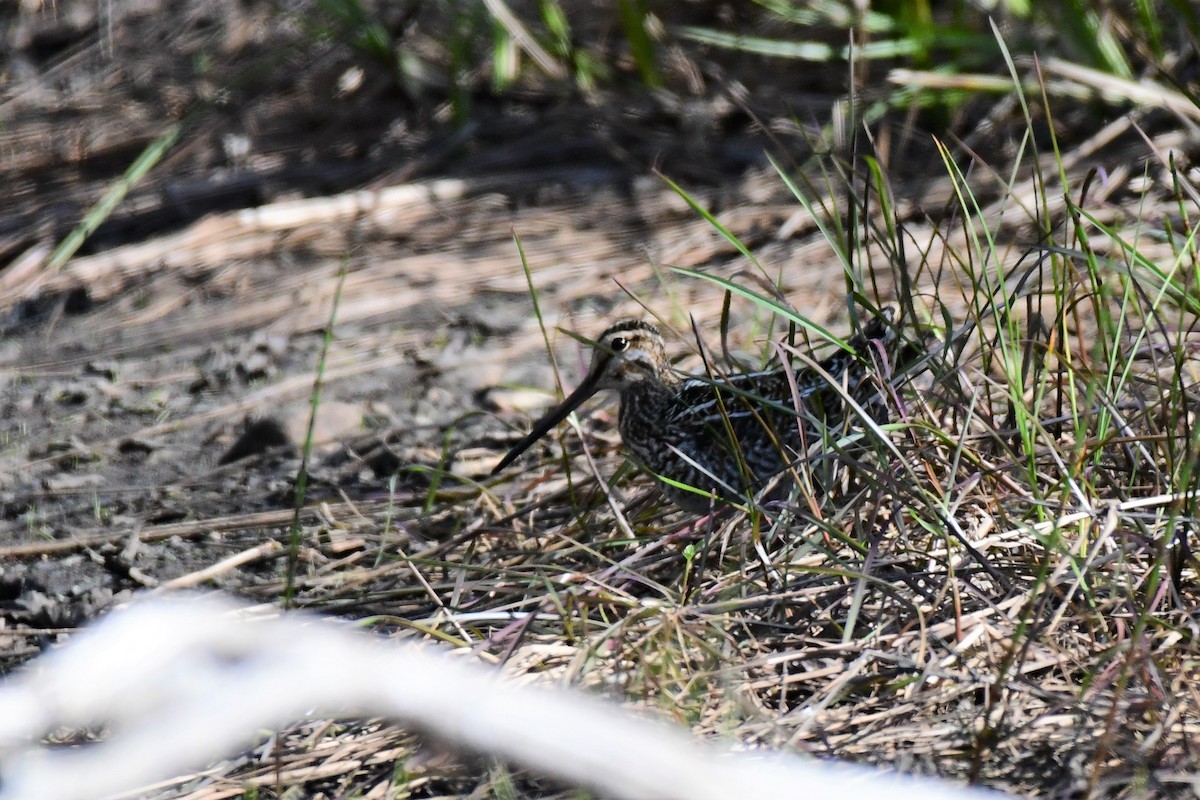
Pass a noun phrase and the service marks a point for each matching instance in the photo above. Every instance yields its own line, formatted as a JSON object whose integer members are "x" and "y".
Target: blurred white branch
{"x": 180, "y": 682}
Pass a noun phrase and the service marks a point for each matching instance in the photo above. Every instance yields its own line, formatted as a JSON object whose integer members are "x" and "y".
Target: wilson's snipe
{"x": 727, "y": 436}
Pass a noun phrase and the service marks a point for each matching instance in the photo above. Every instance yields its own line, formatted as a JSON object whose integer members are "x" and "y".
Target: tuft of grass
{"x": 1016, "y": 548}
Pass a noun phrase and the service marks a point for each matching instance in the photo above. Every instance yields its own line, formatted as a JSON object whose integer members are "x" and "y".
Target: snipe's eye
{"x": 619, "y": 344}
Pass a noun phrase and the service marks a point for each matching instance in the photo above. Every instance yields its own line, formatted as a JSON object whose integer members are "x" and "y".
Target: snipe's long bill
{"x": 725, "y": 438}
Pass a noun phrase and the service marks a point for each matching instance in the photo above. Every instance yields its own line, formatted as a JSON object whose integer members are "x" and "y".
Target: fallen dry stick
{"x": 193, "y": 579}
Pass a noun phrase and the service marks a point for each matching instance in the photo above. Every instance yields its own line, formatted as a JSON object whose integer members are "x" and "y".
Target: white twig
{"x": 181, "y": 681}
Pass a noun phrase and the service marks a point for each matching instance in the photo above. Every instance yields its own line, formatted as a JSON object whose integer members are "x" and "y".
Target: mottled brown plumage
{"x": 727, "y": 436}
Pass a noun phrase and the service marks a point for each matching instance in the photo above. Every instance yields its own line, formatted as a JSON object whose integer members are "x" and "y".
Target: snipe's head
{"x": 628, "y": 352}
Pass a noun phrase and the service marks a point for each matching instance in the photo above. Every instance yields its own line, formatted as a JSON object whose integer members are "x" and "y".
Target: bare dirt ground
{"x": 157, "y": 387}
{"x": 131, "y": 373}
